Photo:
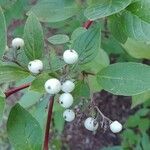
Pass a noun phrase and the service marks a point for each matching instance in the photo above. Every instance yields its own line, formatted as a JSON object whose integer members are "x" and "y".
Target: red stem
{"x": 16, "y": 89}
{"x": 49, "y": 118}
{"x": 87, "y": 24}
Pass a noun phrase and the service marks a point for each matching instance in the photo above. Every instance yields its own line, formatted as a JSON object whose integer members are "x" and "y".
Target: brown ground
{"x": 114, "y": 107}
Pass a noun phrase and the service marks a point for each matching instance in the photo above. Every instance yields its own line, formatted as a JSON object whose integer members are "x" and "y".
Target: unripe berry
{"x": 91, "y": 124}
{"x": 115, "y": 127}
{"x": 69, "y": 115}
{"x": 35, "y": 66}
{"x": 68, "y": 86}
{"x": 66, "y": 100}
{"x": 17, "y": 43}
{"x": 70, "y": 56}
{"x": 52, "y": 86}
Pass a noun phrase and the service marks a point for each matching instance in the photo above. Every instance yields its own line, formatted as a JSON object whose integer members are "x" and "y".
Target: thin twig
{"x": 49, "y": 118}
{"x": 16, "y": 89}
{"x": 102, "y": 115}
{"x": 88, "y": 24}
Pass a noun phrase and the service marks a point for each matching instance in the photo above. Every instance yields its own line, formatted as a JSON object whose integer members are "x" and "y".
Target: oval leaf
{"x": 10, "y": 73}
{"x": 125, "y": 78}
{"x": 24, "y": 131}
{"x": 33, "y": 37}
{"x": 54, "y": 10}
{"x": 137, "y": 49}
{"x": 87, "y": 44}
{"x": 103, "y": 8}
{"x": 58, "y": 39}
{"x": 3, "y": 33}
{"x": 135, "y": 27}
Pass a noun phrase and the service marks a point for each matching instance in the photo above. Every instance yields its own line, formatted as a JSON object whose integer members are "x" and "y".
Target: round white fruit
{"x": 17, "y": 43}
{"x": 91, "y": 124}
{"x": 35, "y": 66}
{"x": 68, "y": 86}
{"x": 70, "y": 56}
{"x": 66, "y": 100}
{"x": 115, "y": 127}
{"x": 52, "y": 86}
{"x": 69, "y": 115}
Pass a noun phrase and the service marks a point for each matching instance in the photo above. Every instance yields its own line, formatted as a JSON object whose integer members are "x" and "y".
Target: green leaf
{"x": 2, "y": 104}
{"x": 3, "y": 33}
{"x": 113, "y": 148}
{"x": 104, "y": 8}
{"x": 145, "y": 141}
{"x": 54, "y": 10}
{"x": 33, "y": 37}
{"x": 81, "y": 90}
{"x": 93, "y": 84}
{"x": 144, "y": 124}
{"x": 87, "y": 44}
{"x": 137, "y": 49}
{"x": 38, "y": 84}
{"x": 100, "y": 61}
{"x": 58, "y": 117}
{"x": 10, "y": 73}
{"x": 29, "y": 99}
{"x": 140, "y": 98}
{"x": 39, "y": 111}
{"x": 115, "y": 23}
{"x": 55, "y": 61}
{"x": 77, "y": 32}
{"x": 6, "y": 4}
{"x": 133, "y": 121}
{"x": 24, "y": 131}
{"x": 135, "y": 27}
{"x": 125, "y": 78}
{"x": 141, "y": 9}
{"x": 58, "y": 39}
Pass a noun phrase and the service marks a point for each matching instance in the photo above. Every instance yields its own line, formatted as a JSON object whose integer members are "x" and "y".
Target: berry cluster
{"x": 54, "y": 86}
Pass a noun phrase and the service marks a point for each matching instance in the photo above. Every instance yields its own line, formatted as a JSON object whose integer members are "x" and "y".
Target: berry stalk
{"x": 49, "y": 118}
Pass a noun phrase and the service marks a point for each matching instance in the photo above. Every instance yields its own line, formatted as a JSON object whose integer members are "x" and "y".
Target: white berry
{"x": 70, "y": 56}
{"x": 17, "y": 43}
{"x": 91, "y": 124}
{"x": 66, "y": 100}
{"x": 115, "y": 127}
{"x": 52, "y": 86}
{"x": 35, "y": 66}
{"x": 68, "y": 86}
{"x": 69, "y": 115}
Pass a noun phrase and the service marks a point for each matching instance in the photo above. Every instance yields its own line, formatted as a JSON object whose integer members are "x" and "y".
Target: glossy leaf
{"x": 125, "y": 78}
{"x": 10, "y": 73}
{"x": 58, "y": 39}
{"x": 87, "y": 44}
{"x": 54, "y": 10}
{"x": 33, "y": 37}
{"x": 104, "y": 8}
{"x": 24, "y": 131}
{"x": 3, "y": 33}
